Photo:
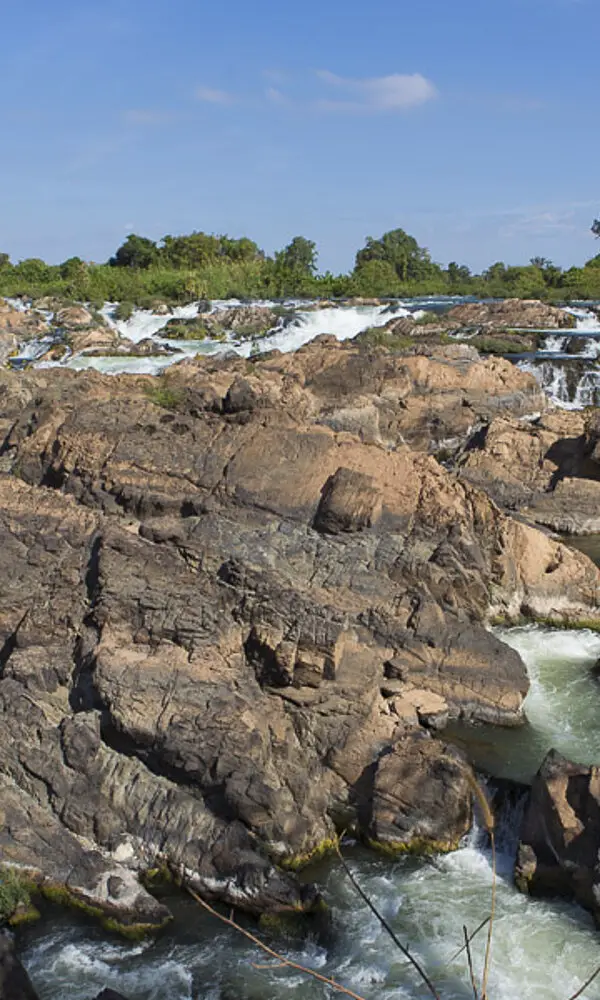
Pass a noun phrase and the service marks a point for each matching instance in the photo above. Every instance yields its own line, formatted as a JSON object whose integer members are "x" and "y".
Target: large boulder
{"x": 75, "y": 317}
{"x": 560, "y": 837}
{"x": 421, "y": 798}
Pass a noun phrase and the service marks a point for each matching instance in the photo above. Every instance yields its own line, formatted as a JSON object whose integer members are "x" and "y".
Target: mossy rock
{"x": 298, "y": 861}
{"x": 417, "y": 847}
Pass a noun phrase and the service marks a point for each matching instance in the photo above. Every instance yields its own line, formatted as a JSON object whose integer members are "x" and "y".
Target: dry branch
{"x": 269, "y": 951}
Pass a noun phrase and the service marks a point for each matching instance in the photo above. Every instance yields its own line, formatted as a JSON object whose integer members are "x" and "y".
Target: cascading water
{"x": 566, "y": 365}
{"x": 540, "y": 948}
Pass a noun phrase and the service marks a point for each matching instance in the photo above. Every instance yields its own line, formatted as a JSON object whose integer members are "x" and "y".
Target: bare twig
{"x": 587, "y": 983}
{"x": 457, "y": 954}
{"x": 488, "y": 819}
{"x": 470, "y": 961}
{"x": 269, "y": 951}
{"x": 488, "y": 948}
{"x": 387, "y": 927}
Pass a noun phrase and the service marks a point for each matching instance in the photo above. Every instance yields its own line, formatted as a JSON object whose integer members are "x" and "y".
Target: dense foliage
{"x": 180, "y": 269}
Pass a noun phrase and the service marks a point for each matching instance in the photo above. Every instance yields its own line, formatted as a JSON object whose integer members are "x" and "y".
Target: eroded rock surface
{"x": 560, "y": 839}
{"x": 545, "y": 468}
{"x": 236, "y": 601}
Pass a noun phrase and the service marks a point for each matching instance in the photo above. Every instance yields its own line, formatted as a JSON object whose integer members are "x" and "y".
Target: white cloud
{"x": 397, "y": 92}
{"x": 275, "y": 96}
{"x": 213, "y": 96}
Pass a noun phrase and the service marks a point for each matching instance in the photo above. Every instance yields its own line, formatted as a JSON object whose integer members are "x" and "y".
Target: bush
{"x": 163, "y": 396}
{"x": 124, "y": 311}
{"x": 14, "y": 893}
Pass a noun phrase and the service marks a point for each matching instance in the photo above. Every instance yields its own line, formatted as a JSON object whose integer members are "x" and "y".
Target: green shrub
{"x": 164, "y": 396}
{"x": 14, "y": 893}
{"x": 124, "y": 311}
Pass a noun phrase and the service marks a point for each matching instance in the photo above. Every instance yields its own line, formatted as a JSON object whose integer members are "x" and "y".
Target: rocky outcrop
{"x": 234, "y": 605}
{"x": 560, "y": 837}
{"x": 24, "y": 324}
{"x": 544, "y": 468}
{"x": 14, "y": 981}
{"x": 74, "y": 317}
{"x": 515, "y": 313}
{"x": 241, "y": 321}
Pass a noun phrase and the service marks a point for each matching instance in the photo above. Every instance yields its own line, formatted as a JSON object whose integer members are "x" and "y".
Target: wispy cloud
{"x": 276, "y": 96}
{"x": 397, "y": 92}
{"x": 210, "y": 95}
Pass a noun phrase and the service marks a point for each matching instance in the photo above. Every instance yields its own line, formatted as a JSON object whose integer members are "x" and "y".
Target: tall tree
{"x": 136, "y": 252}
{"x": 299, "y": 256}
{"x": 410, "y": 261}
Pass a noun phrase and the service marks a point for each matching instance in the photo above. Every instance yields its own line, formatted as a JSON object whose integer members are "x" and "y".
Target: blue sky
{"x": 475, "y": 125}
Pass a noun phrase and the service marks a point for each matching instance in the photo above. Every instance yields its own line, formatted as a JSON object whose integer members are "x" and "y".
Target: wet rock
{"x": 511, "y": 313}
{"x": 22, "y": 324}
{"x": 15, "y": 984}
{"x": 560, "y": 837}
{"x": 110, "y": 995}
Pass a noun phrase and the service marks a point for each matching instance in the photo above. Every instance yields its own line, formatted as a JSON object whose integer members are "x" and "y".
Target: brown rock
{"x": 560, "y": 837}
{"x": 511, "y": 313}
{"x": 192, "y": 675}
{"x": 350, "y": 501}
{"x": 74, "y": 317}
{"x": 422, "y": 797}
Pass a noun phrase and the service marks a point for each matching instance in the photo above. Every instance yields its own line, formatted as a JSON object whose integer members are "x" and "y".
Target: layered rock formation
{"x": 560, "y": 839}
{"x": 235, "y": 602}
{"x": 544, "y": 468}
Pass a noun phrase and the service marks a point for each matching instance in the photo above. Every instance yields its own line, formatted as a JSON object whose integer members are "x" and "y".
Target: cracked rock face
{"x": 560, "y": 836}
{"x": 229, "y": 627}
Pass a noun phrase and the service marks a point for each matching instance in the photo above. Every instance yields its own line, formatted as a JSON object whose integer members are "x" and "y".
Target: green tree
{"x": 5, "y": 261}
{"x": 410, "y": 261}
{"x": 73, "y": 268}
{"x": 136, "y": 252}
{"x": 299, "y": 256}
{"x": 458, "y": 274}
{"x": 376, "y": 277}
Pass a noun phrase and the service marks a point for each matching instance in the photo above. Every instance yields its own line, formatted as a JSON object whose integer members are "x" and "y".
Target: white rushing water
{"x": 567, "y": 382}
{"x": 289, "y": 333}
{"x": 541, "y": 948}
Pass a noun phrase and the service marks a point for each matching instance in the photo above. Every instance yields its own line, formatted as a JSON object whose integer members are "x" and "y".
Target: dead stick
{"x": 472, "y": 938}
{"x": 470, "y": 961}
{"x": 587, "y": 983}
{"x": 270, "y": 951}
{"x": 387, "y": 927}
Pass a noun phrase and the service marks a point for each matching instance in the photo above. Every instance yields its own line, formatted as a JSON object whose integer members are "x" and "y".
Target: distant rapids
{"x": 566, "y": 363}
